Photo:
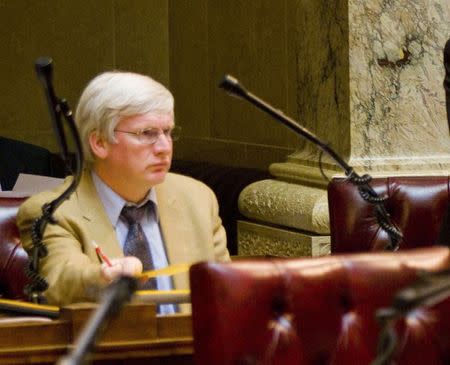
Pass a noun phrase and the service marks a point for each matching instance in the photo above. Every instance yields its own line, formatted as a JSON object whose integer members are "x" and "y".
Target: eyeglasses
{"x": 151, "y": 135}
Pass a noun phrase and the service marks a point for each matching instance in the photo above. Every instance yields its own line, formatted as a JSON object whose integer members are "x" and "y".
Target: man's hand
{"x": 125, "y": 266}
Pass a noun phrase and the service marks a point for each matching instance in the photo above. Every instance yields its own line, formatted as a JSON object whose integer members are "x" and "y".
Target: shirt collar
{"x": 113, "y": 202}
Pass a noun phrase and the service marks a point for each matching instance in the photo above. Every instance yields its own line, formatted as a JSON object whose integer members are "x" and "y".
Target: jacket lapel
{"x": 171, "y": 223}
{"x": 100, "y": 228}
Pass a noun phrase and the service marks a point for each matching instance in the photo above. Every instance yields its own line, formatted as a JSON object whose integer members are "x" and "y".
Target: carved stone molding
{"x": 286, "y": 204}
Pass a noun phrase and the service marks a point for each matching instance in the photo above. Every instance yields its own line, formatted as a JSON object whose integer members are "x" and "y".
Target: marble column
{"x": 369, "y": 82}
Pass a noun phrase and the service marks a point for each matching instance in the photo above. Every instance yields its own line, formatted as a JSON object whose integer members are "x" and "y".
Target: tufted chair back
{"x": 13, "y": 257}
{"x": 417, "y": 206}
{"x": 313, "y": 311}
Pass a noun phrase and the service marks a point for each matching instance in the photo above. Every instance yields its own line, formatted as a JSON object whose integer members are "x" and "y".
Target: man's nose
{"x": 163, "y": 142}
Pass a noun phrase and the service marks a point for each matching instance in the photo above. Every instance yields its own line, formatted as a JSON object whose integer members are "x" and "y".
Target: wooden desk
{"x": 136, "y": 336}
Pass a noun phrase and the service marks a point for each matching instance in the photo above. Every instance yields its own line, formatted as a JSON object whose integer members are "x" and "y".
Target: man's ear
{"x": 99, "y": 145}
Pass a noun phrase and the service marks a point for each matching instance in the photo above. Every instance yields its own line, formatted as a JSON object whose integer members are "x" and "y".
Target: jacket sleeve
{"x": 219, "y": 235}
{"x": 71, "y": 274}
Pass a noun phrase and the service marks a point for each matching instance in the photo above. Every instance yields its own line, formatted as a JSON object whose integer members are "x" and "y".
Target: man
{"x": 126, "y": 124}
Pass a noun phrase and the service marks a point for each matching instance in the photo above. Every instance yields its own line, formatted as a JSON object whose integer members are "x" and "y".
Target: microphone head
{"x": 44, "y": 68}
{"x": 231, "y": 85}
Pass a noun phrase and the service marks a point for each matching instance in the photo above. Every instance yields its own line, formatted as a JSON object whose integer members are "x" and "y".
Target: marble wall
{"x": 397, "y": 102}
{"x": 374, "y": 72}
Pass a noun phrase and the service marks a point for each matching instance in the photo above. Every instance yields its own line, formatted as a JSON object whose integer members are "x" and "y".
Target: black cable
{"x": 321, "y": 167}
{"x": 381, "y": 214}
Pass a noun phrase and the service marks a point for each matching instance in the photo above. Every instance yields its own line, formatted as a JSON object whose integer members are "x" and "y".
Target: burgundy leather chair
{"x": 417, "y": 206}
{"x": 314, "y": 311}
{"x": 13, "y": 258}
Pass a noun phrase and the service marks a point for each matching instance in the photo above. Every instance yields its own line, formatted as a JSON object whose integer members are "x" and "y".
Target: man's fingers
{"x": 128, "y": 266}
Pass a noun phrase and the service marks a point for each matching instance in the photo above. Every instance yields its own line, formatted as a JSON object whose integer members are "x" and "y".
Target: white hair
{"x": 113, "y": 95}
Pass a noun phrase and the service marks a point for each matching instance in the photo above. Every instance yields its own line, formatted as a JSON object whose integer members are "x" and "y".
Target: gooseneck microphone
{"x": 447, "y": 79}
{"x": 232, "y": 86}
{"x": 116, "y": 295}
{"x": 57, "y": 108}
{"x": 428, "y": 290}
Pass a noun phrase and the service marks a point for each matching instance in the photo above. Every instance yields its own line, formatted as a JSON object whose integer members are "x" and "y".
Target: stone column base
{"x": 293, "y": 220}
{"x": 286, "y": 204}
{"x": 261, "y": 240}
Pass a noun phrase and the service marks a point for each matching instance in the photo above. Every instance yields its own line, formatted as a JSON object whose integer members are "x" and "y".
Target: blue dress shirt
{"x": 113, "y": 204}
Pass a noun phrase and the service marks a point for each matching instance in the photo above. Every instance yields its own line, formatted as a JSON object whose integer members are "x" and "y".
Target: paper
{"x": 163, "y": 296}
{"x": 9, "y": 320}
{"x": 13, "y": 194}
{"x": 32, "y": 184}
{"x": 165, "y": 271}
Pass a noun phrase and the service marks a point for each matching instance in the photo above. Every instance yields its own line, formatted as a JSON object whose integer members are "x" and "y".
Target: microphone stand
{"x": 115, "y": 296}
{"x": 231, "y": 86}
{"x": 57, "y": 108}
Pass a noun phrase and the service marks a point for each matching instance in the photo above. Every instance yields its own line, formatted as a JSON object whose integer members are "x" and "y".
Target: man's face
{"x": 131, "y": 163}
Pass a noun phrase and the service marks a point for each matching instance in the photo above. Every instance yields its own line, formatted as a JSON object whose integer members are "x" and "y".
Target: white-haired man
{"x": 126, "y": 124}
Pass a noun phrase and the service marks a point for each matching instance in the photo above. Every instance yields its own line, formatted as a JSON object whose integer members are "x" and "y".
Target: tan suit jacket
{"x": 190, "y": 224}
